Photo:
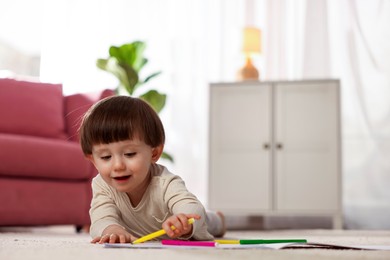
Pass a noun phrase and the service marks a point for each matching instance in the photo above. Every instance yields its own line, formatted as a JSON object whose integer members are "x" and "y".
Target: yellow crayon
{"x": 231, "y": 242}
{"x": 158, "y": 233}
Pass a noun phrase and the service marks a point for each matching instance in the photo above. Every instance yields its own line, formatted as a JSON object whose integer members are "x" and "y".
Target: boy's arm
{"x": 180, "y": 201}
{"x": 105, "y": 216}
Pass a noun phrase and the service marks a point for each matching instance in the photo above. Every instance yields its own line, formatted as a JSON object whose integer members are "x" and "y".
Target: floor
{"x": 61, "y": 242}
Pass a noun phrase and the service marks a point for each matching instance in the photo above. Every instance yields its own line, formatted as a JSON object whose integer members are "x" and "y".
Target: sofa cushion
{"x": 27, "y": 202}
{"x": 31, "y": 108}
{"x": 75, "y": 107}
{"x": 36, "y": 157}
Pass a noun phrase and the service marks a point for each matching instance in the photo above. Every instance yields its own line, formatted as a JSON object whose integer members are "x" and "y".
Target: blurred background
{"x": 195, "y": 43}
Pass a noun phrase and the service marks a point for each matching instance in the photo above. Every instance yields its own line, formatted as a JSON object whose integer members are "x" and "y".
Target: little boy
{"x": 133, "y": 195}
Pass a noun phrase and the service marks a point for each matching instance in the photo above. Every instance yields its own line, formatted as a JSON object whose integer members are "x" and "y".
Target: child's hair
{"x": 119, "y": 118}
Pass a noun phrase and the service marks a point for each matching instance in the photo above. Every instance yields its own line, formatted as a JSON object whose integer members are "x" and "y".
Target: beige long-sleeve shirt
{"x": 166, "y": 195}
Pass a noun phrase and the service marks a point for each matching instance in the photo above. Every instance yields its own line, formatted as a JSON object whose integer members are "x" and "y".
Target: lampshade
{"x": 252, "y": 40}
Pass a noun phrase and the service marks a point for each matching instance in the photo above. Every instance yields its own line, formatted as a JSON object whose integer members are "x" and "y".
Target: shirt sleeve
{"x": 103, "y": 211}
{"x": 180, "y": 200}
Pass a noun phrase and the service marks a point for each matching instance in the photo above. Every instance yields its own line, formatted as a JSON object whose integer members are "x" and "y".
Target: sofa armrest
{"x": 75, "y": 107}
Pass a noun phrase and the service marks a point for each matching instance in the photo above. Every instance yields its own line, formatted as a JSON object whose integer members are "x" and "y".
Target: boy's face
{"x": 125, "y": 165}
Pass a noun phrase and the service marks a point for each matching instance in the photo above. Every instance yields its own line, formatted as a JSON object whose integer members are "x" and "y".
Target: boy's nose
{"x": 119, "y": 164}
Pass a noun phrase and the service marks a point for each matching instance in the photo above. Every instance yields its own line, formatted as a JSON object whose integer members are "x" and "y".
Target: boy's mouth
{"x": 121, "y": 178}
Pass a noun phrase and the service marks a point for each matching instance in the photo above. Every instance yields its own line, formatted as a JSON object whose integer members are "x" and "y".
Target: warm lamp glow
{"x": 251, "y": 45}
{"x": 252, "y": 40}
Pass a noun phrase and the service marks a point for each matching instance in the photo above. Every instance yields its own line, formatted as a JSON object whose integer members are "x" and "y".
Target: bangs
{"x": 113, "y": 128}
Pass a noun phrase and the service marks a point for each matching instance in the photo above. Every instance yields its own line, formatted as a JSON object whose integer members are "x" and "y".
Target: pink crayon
{"x": 188, "y": 243}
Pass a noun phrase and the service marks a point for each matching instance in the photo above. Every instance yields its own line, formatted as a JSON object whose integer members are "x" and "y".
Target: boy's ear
{"x": 89, "y": 157}
{"x": 156, "y": 152}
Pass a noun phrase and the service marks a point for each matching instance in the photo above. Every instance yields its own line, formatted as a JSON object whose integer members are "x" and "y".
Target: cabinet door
{"x": 307, "y": 162}
{"x": 239, "y": 164}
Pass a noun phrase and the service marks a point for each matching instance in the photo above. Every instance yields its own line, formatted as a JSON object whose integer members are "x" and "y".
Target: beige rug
{"x": 62, "y": 242}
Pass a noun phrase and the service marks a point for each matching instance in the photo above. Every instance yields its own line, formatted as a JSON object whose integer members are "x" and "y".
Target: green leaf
{"x": 167, "y": 156}
{"x": 102, "y": 64}
{"x": 115, "y": 52}
{"x": 130, "y": 54}
{"x": 151, "y": 76}
{"x": 126, "y": 75}
{"x": 139, "y": 61}
{"x": 131, "y": 78}
{"x": 155, "y": 99}
{"x": 140, "y": 82}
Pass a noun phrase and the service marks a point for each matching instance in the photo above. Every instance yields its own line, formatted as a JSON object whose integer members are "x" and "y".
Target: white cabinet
{"x": 275, "y": 148}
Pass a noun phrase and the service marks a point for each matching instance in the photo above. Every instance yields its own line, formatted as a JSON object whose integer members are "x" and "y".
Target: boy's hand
{"x": 180, "y": 222}
{"x": 114, "y": 234}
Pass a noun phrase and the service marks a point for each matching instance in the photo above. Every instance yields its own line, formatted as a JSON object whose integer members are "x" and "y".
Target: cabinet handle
{"x": 266, "y": 146}
{"x": 279, "y": 146}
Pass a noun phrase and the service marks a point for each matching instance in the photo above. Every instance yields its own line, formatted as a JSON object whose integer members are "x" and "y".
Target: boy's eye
{"x": 107, "y": 157}
{"x": 130, "y": 154}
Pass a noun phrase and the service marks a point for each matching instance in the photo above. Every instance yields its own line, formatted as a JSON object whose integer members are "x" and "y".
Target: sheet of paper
{"x": 335, "y": 246}
{"x": 277, "y": 246}
{"x": 218, "y": 246}
{"x": 141, "y": 245}
{"x": 257, "y": 246}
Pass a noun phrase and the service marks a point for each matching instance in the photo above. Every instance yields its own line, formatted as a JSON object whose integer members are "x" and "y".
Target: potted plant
{"x": 125, "y": 62}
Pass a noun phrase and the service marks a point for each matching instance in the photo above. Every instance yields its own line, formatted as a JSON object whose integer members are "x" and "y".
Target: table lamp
{"x": 251, "y": 45}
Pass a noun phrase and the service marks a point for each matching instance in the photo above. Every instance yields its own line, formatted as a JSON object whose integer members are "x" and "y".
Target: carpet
{"x": 62, "y": 242}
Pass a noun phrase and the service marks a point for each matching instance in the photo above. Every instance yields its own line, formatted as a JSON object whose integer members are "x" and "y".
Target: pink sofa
{"x": 44, "y": 177}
